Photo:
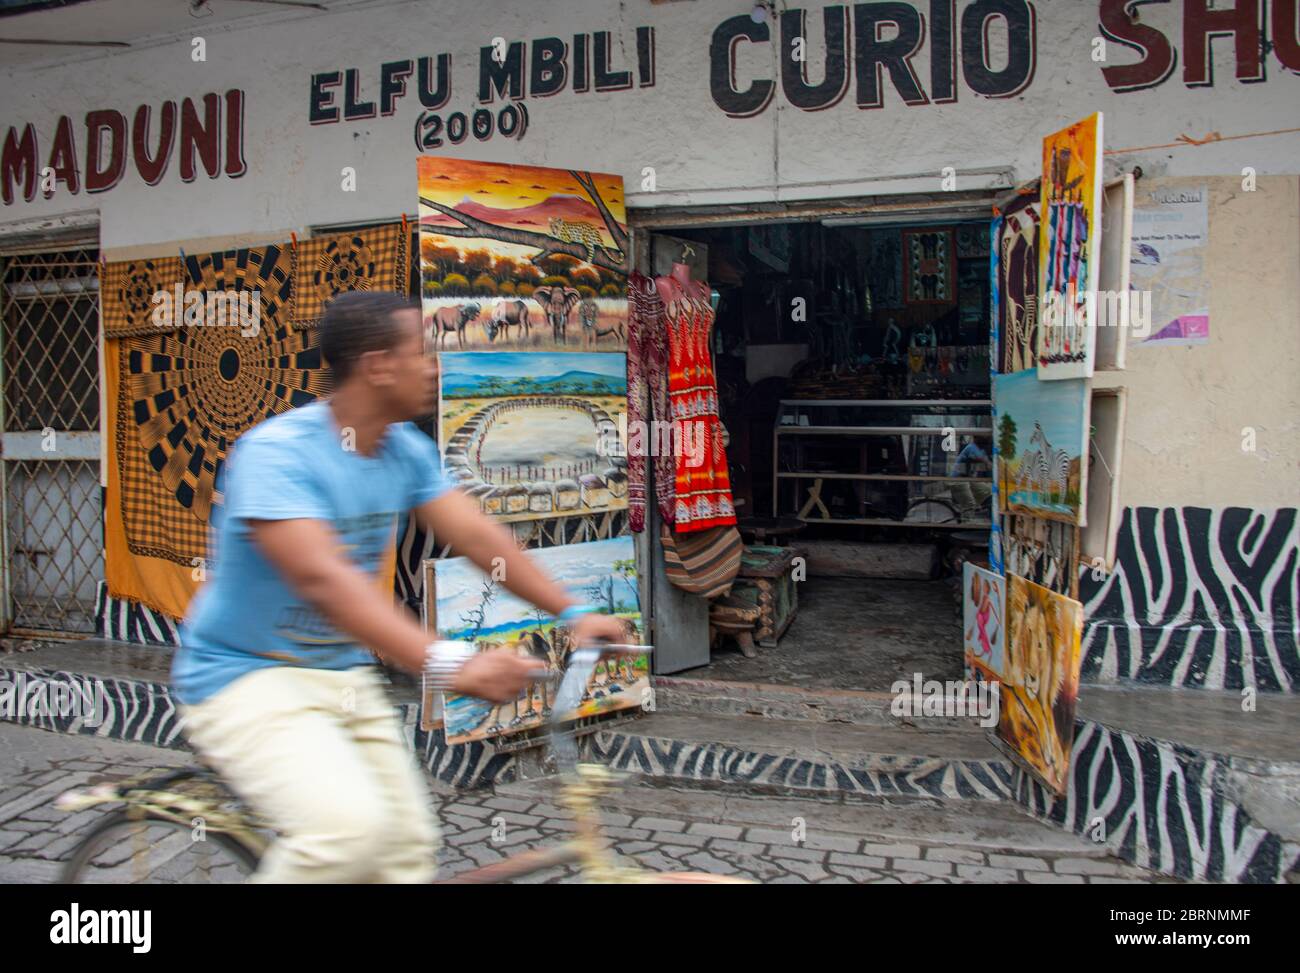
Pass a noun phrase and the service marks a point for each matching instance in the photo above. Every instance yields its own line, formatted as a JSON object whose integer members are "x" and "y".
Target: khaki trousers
{"x": 319, "y": 754}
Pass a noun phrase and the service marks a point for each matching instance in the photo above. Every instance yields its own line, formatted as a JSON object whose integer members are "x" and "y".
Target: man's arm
{"x": 307, "y": 554}
{"x": 456, "y": 520}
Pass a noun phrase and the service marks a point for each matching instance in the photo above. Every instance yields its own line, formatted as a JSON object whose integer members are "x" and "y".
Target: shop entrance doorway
{"x": 852, "y": 356}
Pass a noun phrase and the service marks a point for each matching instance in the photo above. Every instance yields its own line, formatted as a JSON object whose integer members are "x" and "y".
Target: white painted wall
{"x": 699, "y": 154}
{"x": 1187, "y": 406}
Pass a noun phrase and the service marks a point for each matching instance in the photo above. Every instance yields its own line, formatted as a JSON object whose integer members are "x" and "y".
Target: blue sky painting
{"x": 464, "y": 371}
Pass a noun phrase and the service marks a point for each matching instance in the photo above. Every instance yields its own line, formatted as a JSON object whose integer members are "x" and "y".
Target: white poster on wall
{"x": 1171, "y": 290}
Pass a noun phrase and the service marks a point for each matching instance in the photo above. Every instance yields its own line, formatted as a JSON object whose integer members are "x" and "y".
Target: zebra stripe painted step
{"x": 143, "y": 711}
{"x": 793, "y": 757}
{"x": 1188, "y": 783}
{"x": 1170, "y": 808}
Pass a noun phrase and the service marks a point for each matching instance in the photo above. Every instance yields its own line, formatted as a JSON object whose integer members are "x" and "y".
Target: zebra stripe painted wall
{"x": 883, "y": 776}
{"x": 1160, "y": 806}
{"x": 1199, "y": 598}
{"x": 124, "y": 620}
{"x": 140, "y": 711}
{"x": 124, "y": 709}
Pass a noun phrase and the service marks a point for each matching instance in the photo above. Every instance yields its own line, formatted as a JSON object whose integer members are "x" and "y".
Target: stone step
{"x": 716, "y": 697}
{"x": 791, "y": 757}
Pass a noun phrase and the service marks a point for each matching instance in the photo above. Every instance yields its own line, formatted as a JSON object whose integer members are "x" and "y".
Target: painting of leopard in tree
{"x": 571, "y": 231}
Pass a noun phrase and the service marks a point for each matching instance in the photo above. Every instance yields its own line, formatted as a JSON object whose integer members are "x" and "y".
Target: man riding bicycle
{"x": 278, "y": 689}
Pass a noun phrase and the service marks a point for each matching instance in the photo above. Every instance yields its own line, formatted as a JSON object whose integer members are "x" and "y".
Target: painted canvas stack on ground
{"x": 523, "y": 285}
{"x": 1044, "y": 271}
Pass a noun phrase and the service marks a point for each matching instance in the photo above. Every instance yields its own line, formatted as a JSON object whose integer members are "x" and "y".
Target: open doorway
{"x": 852, "y": 360}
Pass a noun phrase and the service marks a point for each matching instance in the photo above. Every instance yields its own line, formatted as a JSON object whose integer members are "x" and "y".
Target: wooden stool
{"x": 730, "y": 617}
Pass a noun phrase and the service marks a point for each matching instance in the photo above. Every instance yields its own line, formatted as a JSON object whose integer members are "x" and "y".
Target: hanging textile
{"x": 647, "y": 403}
{"x": 361, "y": 260}
{"x": 181, "y": 387}
{"x": 703, "y": 483}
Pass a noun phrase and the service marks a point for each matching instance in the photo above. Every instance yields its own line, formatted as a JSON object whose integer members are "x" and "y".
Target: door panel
{"x": 52, "y": 503}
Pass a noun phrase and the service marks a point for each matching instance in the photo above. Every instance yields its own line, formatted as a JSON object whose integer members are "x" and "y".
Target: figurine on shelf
{"x": 889, "y": 348}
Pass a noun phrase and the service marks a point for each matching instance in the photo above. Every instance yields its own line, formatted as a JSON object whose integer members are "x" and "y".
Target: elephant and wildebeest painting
{"x": 521, "y": 258}
{"x": 463, "y": 603}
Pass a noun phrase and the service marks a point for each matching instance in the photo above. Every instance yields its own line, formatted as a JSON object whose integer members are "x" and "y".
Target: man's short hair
{"x": 358, "y": 322}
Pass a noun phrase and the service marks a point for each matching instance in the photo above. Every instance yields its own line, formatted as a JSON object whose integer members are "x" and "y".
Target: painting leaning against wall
{"x": 522, "y": 257}
{"x": 1040, "y": 679}
{"x": 1045, "y": 552}
{"x": 983, "y": 621}
{"x": 468, "y": 605}
{"x": 1015, "y": 279}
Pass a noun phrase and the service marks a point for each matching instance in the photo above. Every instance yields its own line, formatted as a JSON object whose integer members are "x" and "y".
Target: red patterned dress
{"x": 703, "y": 495}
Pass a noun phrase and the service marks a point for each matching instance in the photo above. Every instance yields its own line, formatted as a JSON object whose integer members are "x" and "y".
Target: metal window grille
{"x": 53, "y": 515}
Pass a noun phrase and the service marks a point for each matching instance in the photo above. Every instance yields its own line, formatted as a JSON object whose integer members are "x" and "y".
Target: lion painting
{"x": 1040, "y": 686}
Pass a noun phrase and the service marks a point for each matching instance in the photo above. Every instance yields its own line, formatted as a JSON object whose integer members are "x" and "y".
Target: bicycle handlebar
{"x": 581, "y": 665}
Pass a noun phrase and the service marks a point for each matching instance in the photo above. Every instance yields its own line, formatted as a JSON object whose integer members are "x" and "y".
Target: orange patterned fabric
{"x": 703, "y": 482}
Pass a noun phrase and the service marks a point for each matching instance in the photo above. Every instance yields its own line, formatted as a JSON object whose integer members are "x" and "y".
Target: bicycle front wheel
{"x": 126, "y": 850}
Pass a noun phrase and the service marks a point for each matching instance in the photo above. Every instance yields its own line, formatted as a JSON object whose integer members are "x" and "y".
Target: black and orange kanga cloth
{"x": 180, "y": 393}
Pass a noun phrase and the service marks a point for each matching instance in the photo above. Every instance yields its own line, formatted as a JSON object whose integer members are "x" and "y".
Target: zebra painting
{"x": 1043, "y": 467}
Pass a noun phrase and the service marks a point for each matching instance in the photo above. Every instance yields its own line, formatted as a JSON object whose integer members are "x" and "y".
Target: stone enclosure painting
{"x": 1069, "y": 250}
{"x": 468, "y": 605}
{"x": 1040, "y": 679}
{"x": 534, "y": 435}
{"x": 1040, "y": 433}
{"x": 521, "y": 257}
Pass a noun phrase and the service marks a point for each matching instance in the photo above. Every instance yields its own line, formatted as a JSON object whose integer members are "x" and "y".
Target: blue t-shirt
{"x": 289, "y": 467}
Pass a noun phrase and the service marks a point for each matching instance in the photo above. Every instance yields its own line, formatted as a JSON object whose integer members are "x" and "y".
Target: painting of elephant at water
{"x": 463, "y": 603}
{"x": 535, "y": 435}
{"x": 1040, "y": 438}
{"x": 522, "y": 257}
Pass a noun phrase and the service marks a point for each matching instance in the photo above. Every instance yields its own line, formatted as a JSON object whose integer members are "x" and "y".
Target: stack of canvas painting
{"x": 523, "y": 285}
{"x": 1044, "y": 272}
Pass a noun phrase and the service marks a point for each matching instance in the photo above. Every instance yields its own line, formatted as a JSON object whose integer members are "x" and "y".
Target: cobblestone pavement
{"x": 664, "y": 829}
